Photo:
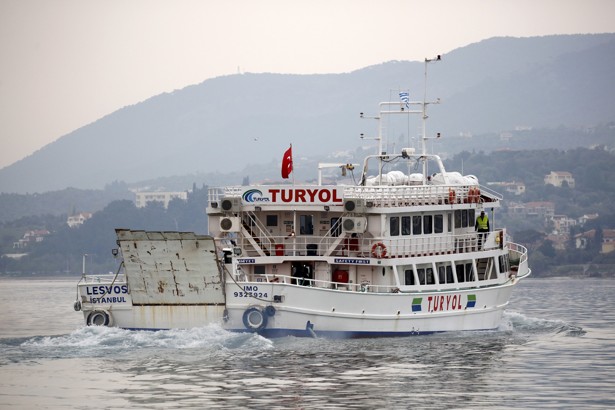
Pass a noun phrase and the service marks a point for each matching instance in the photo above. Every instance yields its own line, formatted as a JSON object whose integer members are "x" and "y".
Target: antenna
{"x": 425, "y": 116}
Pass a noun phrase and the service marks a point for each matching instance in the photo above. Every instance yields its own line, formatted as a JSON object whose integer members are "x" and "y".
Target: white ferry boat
{"x": 395, "y": 254}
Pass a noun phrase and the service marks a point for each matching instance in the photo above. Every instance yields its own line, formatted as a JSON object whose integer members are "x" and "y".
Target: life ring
{"x": 477, "y": 195}
{"x": 471, "y": 195}
{"x": 379, "y": 250}
{"x": 451, "y": 196}
{"x": 99, "y": 318}
{"x": 254, "y": 319}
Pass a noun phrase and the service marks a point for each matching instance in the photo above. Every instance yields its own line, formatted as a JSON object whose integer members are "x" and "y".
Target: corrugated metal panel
{"x": 171, "y": 268}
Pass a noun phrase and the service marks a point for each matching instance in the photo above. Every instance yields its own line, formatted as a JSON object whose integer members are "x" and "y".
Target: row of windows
{"x": 429, "y": 224}
{"x": 464, "y": 271}
{"x": 418, "y": 224}
{"x": 464, "y": 218}
{"x": 398, "y": 225}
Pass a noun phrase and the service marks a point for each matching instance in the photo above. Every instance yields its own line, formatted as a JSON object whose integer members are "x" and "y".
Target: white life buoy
{"x": 100, "y": 318}
{"x": 254, "y": 319}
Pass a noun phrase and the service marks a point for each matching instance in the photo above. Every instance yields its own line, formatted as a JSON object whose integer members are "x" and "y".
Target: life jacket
{"x": 483, "y": 223}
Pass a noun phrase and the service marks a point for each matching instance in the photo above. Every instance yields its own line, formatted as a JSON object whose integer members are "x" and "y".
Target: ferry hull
{"x": 286, "y": 309}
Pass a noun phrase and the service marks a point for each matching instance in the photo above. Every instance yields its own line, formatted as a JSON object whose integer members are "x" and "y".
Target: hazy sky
{"x": 67, "y": 63}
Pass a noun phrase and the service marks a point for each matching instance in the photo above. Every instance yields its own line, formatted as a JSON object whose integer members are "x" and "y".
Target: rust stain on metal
{"x": 177, "y": 291}
{"x": 161, "y": 285}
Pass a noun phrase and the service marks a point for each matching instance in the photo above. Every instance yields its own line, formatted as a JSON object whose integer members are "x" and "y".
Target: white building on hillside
{"x": 143, "y": 198}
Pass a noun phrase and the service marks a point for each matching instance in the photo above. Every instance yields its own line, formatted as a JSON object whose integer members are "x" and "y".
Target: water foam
{"x": 98, "y": 341}
{"x": 518, "y": 322}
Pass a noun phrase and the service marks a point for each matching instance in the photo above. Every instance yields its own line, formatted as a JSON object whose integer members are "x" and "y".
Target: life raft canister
{"x": 379, "y": 250}
{"x": 99, "y": 317}
{"x": 254, "y": 319}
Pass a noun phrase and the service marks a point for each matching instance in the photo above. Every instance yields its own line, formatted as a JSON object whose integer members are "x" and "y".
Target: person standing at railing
{"x": 482, "y": 227}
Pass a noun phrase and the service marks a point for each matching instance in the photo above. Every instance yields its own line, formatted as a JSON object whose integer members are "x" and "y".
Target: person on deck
{"x": 482, "y": 227}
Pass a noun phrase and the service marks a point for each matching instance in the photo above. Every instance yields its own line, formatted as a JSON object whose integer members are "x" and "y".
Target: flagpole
{"x": 295, "y": 230}
{"x": 293, "y": 169}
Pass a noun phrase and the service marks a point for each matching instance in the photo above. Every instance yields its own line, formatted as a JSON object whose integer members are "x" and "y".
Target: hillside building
{"x": 516, "y": 188}
{"x": 143, "y": 198}
{"x": 557, "y": 178}
{"x": 31, "y": 237}
{"x": 77, "y": 220}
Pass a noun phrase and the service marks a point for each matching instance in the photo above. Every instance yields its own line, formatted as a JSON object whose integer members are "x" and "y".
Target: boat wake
{"x": 517, "y": 322}
{"x": 100, "y": 341}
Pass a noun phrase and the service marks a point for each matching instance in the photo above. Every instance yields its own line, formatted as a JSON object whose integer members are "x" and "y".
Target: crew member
{"x": 482, "y": 227}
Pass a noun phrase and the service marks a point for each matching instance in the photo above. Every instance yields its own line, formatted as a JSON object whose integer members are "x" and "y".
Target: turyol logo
{"x": 254, "y": 195}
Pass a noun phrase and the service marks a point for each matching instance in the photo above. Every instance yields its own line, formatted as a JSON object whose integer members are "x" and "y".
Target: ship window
{"x": 417, "y": 225}
{"x": 458, "y": 218}
{"x": 471, "y": 218}
{"x": 259, "y": 269}
{"x": 464, "y": 218}
{"x": 469, "y": 272}
{"x": 428, "y": 226}
{"x": 409, "y": 277}
{"x": 441, "y": 274}
{"x": 504, "y": 263}
{"x": 464, "y": 272}
{"x": 445, "y": 274}
{"x": 406, "y": 225}
{"x": 438, "y": 223}
{"x": 426, "y": 276}
{"x": 305, "y": 225}
{"x": 272, "y": 220}
{"x": 394, "y": 226}
{"x": 461, "y": 277}
{"x": 336, "y": 227}
{"x": 449, "y": 222}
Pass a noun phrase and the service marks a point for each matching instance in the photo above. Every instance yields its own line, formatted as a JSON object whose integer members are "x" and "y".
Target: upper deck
{"x": 288, "y": 196}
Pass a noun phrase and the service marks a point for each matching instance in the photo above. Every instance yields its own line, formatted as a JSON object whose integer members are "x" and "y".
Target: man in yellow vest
{"x": 482, "y": 227}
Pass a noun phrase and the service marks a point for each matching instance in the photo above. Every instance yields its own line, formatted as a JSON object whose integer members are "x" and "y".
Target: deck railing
{"x": 389, "y": 196}
{"x": 403, "y": 246}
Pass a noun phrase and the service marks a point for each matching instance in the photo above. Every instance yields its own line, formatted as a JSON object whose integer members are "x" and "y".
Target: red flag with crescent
{"x": 287, "y": 162}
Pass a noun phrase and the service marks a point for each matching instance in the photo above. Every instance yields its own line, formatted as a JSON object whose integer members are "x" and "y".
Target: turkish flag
{"x": 287, "y": 162}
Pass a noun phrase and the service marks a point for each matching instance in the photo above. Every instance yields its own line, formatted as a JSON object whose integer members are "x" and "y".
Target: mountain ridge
{"x": 234, "y": 121}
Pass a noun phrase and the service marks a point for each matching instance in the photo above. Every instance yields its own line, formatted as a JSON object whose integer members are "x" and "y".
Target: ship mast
{"x": 425, "y": 116}
{"x": 387, "y": 108}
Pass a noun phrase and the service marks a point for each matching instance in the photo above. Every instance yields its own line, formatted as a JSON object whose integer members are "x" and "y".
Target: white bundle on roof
{"x": 391, "y": 179}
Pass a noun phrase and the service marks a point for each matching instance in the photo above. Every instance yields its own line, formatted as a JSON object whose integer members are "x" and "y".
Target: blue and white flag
{"x": 405, "y": 98}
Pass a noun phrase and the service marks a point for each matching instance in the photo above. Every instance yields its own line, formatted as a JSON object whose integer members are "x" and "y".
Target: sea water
{"x": 554, "y": 349}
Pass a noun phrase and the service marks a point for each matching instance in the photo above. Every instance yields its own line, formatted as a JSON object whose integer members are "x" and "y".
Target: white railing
{"x": 518, "y": 257}
{"x": 396, "y": 247}
{"x": 392, "y": 196}
{"x": 326, "y": 284}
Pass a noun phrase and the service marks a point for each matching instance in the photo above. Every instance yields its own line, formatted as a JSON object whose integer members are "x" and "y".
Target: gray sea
{"x": 554, "y": 349}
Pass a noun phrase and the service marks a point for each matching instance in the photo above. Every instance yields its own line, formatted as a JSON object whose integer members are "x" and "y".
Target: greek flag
{"x": 405, "y": 98}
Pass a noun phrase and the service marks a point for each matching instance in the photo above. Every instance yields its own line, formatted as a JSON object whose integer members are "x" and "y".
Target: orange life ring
{"x": 379, "y": 250}
{"x": 451, "y": 196}
{"x": 472, "y": 195}
{"x": 477, "y": 194}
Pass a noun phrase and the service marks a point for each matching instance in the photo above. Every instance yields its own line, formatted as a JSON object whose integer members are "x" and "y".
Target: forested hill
{"x": 594, "y": 192}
